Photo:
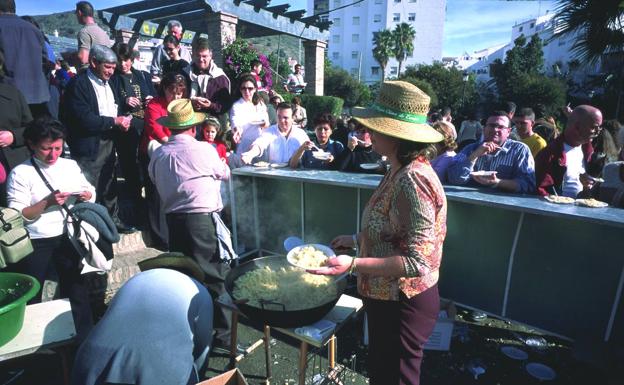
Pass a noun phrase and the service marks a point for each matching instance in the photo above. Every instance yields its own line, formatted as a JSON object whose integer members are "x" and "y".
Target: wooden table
{"x": 47, "y": 325}
{"x": 346, "y": 307}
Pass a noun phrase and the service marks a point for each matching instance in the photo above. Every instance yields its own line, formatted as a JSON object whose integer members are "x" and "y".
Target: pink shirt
{"x": 187, "y": 174}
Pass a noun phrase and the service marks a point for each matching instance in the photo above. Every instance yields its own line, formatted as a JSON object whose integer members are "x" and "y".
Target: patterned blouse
{"x": 406, "y": 216}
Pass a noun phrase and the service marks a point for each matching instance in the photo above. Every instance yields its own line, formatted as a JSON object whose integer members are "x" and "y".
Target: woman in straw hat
{"x": 400, "y": 244}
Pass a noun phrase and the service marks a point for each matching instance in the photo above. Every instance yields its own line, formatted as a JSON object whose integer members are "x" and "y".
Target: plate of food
{"x": 321, "y": 155}
{"x": 309, "y": 256}
{"x": 483, "y": 173}
{"x": 261, "y": 164}
{"x": 370, "y": 166}
{"x": 279, "y": 165}
{"x": 559, "y": 199}
{"x": 591, "y": 202}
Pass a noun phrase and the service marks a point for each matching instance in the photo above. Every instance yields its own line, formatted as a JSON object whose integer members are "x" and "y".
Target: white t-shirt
{"x": 25, "y": 188}
{"x": 243, "y": 115}
{"x": 104, "y": 95}
{"x": 277, "y": 148}
{"x": 575, "y": 165}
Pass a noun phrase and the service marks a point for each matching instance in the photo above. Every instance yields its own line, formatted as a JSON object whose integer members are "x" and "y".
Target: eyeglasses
{"x": 247, "y": 88}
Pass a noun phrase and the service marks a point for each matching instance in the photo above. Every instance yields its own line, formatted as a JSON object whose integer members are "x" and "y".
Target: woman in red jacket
{"x": 172, "y": 87}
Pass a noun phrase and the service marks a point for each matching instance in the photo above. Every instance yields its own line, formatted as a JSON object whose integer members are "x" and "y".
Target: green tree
{"x": 284, "y": 69}
{"x": 383, "y": 49}
{"x": 448, "y": 85}
{"x": 404, "y": 35}
{"x": 339, "y": 83}
{"x": 520, "y": 77}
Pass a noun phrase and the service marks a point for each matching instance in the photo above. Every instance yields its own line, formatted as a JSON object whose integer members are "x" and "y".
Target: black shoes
{"x": 124, "y": 228}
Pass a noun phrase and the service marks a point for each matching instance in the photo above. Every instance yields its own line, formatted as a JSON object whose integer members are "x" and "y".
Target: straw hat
{"x": 174, "y": 261}
{"x": 180, "y": 115}
{"x": 400, "y": 111}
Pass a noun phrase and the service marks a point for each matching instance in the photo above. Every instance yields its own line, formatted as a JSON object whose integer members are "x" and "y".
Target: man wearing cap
{"x": 187, "y": 174}
{"x": 496, "y": 162}
{"x": 90, "y": 113}
{"x": 280, "y": 141}
{"x": 157, "y": 330}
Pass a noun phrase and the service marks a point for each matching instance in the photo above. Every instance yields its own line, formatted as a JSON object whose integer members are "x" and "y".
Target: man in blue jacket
{"x": 91, "y": 116}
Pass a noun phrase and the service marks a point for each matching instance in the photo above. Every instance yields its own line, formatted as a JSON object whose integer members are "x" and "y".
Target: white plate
{"x": 291, "y": 254}
{"x": 541, "y": 371}
{"x": 515, "y": 353}
{"x": 483, "y": 173}
{"x": 279, "y": 165}
{"x": 261, "y": 164}
{"x": 321, "y": 155}
{"x": 593, "y": 203}
{"x": 370, "y": 166}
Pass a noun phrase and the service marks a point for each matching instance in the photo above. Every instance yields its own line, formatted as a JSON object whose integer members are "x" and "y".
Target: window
{"x": 520, "y": 29}
{"x": 377, "y": 1}
{"x": 337, "y": 3}
{"x": 354, "y": 54}
{"x": 336, "y": 55}
{"x": 532, "y": 25}
{"x": 375, "y": 71}
{"x": 337, "y": 22}
{"x": 396, "y": 17}
{"x": 355, "y": 38}
{"x": 356, "y": 20}
{"x": 411, "y": 17}
{"x": 336, "y": 39}
{"x": 397, "y": 1}
{"x": 354, "y": 72}
{"x": 376, "y": 18}
{"x": 412, "y": 1}
{"x": 394, "y": 71}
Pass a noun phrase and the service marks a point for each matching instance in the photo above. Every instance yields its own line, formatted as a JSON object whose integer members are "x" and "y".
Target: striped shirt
{"x": 513, "y": 161}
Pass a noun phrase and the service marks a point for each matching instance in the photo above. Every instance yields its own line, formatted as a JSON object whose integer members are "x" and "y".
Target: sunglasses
{"x": 247, "y": 88}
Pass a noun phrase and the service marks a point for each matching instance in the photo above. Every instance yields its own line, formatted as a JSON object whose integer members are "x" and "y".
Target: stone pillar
{"x": 124, "y": 36}
{"x": 314, "y": 66}
{"x": 221, "y": 30}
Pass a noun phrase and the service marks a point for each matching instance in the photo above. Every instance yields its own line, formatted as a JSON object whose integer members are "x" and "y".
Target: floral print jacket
{"x": 406, "y": 216}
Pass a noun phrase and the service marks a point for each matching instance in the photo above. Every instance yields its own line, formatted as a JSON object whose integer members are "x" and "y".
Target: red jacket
{"x": 156, "y": 108}
{"x": 550, "y": 165}
{"x": 221, "y": 148}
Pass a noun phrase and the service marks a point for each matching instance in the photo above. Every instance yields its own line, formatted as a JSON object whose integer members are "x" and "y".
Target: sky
{"x": 470, "y": 25}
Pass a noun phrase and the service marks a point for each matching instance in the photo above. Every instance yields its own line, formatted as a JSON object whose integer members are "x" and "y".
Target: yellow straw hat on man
{"x": 180, "y": 115}
{"x": 400, "y": 111}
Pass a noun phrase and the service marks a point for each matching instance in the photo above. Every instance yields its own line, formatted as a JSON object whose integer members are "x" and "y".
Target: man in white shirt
{"x": 560, "y": 166}
{"x": 91, "y": 116}
{"x": 295, "y": 83}
{"x": 278, "y": 143}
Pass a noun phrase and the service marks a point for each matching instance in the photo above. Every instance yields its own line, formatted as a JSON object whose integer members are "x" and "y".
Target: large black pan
{"x": 276, "y": 314}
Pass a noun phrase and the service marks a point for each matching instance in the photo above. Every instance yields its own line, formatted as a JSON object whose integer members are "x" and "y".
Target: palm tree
{"x": 597, "y": 29}
{"x": 383, "y": 49}
{"x": 595, "y": 25}
{"x": 404, "y": 35}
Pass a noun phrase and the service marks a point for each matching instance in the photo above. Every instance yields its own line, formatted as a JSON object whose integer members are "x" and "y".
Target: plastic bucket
{"x": 15, "y": 290}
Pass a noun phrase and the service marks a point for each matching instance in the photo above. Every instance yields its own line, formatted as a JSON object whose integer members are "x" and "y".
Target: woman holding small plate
{"x": 400, "y": 244}
{"x": 248, "y": 116}
{"x": 319, "y": 155}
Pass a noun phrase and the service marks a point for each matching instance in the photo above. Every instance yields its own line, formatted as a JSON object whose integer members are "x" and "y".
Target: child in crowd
{"x": 210, "y": 129}
{"x": 321, "y": 154}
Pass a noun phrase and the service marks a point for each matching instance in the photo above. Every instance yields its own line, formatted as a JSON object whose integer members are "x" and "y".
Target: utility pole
{"x": 360, "y": 66}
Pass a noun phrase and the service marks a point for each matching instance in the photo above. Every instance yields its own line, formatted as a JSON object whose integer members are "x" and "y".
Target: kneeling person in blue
{"x": 319, "y": 155}
{"x": 157, "y": 329}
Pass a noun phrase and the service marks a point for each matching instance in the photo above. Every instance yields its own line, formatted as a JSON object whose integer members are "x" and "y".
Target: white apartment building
{"x": 557, "y": 51}
{"x": 350, "y": 43}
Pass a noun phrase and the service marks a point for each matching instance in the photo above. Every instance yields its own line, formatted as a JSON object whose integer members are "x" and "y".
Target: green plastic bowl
{"x": 15, "y": 290}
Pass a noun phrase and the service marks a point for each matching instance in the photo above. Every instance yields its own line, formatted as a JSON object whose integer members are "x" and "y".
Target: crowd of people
{"x": 175, "y": 133}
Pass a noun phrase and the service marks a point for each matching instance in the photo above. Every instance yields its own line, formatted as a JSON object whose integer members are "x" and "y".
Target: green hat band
{"x": 400, "y": 115}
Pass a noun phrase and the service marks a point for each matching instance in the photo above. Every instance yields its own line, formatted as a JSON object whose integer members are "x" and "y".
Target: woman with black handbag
{"x": 44, "y": 218}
